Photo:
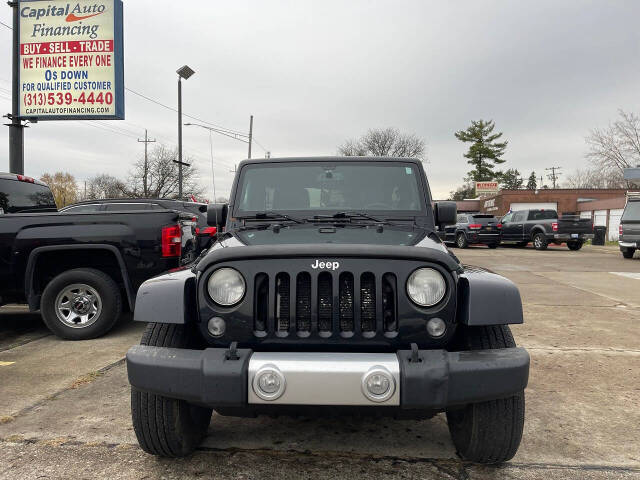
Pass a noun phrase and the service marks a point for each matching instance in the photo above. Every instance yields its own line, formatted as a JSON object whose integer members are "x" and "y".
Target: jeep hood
{"x": 354, "y": 242}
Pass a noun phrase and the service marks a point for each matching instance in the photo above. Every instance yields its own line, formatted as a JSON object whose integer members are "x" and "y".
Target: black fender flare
{"x": 537, "y": 229}
{"x": 167, "y": 298}
{"x": 33, "y": 299}
{"x": 486, "y": 298}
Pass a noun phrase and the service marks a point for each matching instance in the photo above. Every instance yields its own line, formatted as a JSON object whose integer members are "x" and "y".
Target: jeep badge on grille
{"x": 325, "y": 265}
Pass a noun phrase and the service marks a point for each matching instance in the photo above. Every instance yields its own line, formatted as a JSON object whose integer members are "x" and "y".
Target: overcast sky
{"x": 314, "y": 73}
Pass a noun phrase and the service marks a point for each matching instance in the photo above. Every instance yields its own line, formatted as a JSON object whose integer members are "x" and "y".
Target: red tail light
{"x": 554, "y": 226}
{"x": 499, "y": 226}
{"x": 209, "y": 231}
{"x": 620, "y": 230}
{"x": 475, "y": 226}
{"x": 171, "y": 241}
{"x": 22, "y": 178}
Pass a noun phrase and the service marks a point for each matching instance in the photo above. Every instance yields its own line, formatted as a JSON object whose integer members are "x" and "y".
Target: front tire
{"x": 540, "y": 241}
{"x": 81, "y": 304}
{"x": 165, "y": 426}
{"x": 491, "y": 431}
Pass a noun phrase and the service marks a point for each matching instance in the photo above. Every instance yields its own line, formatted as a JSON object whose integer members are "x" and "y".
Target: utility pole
{"x": 16, "y": 128}
{"x": 553, "y": 176}
{"x": 250, "y": 134}
{"x": 183, "y": 72}
{"x": 146, "y": 142}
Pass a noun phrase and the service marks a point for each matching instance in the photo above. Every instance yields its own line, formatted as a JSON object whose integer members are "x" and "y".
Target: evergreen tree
{"x": 511, "y": 180}
{"x": 532, "y": 183}
{"x": 485, "y": 152}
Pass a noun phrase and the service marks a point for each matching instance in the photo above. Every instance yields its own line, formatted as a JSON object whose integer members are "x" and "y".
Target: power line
{"x": 5, "y": 25}
{"x": 189, "y": 116}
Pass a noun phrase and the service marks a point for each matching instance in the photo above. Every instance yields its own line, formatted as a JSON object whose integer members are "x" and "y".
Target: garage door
{"x": 614, "y": 223}
{"x": 534, "y": 206}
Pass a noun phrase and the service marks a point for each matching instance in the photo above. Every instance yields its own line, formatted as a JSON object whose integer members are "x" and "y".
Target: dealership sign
{"x": 71, "y": 60}
{"x": 483, "y": 188}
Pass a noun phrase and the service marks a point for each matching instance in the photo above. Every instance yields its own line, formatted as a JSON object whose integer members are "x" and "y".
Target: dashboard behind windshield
{"x": 392, "y": 187}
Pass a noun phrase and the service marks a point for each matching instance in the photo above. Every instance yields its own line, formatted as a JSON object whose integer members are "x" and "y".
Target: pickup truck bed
{"x": 124, "y": 248}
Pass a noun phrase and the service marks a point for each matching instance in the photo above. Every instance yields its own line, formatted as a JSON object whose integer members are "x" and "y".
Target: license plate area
{"x": 316, "y": 378}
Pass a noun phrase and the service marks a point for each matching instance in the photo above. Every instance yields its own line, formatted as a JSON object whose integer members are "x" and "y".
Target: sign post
{"x": 16, "y": 128}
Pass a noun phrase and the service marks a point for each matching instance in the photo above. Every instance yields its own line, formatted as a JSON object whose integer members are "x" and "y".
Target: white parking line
{"x": 6, "y": 364}
{"x": 634, "y": 275}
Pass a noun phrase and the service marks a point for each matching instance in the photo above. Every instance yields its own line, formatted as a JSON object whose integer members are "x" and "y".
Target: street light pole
{"x": 183, "y": 72}
{"x": 250, "y": 135}
{"x": 180, "y": 137}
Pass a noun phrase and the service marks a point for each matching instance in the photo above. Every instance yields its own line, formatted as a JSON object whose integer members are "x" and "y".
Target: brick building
{"x": 563, "y": 200}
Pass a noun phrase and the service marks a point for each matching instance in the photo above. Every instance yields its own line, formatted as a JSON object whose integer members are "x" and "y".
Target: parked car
{"x": 21, "y": 194}
{"x": 629, "y": 240}
{"x": 79, "y": 269}
{"x": 473, "y": 229}
{"x": 329, "y": 293}
{"x": 197, "y": 235}
{"x": 543, "y": 227}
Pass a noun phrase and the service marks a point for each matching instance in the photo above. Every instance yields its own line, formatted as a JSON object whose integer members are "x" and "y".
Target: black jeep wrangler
{"x": 330, "y": 292}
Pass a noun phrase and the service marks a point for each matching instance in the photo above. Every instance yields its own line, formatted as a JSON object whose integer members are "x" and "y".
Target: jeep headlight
{"x": 426, "y": 287}
{"x": 226, "y": 287}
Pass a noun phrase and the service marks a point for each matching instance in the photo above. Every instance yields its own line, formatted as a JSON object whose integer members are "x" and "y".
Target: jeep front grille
{"x": 325, "y": 304}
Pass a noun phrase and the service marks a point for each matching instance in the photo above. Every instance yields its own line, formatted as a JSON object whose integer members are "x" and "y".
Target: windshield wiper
{"x": 271, "y": 215}
{"x": 351, "y": 216}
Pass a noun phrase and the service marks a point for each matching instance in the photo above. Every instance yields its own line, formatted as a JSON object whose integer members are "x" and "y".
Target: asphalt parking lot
{"x": 64, "y": 406}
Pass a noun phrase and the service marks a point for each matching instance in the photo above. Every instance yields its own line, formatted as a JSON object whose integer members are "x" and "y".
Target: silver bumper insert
{"x": 307, "y": 378}
{"x": 628, "y": 244}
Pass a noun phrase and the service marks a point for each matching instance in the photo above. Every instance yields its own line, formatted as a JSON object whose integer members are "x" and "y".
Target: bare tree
{"x": 593, "y": 178}
{"x": 158, "y": 178}
{"x": 64, "y": 187}
{"x": 105, "y": 186}
{"x": 385, "y": 142}
{"x": 616, "y": 147}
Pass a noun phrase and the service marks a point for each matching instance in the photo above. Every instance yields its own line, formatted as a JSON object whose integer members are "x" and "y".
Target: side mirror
{"x": 217, "y": 215}
{"x": 446, "y": 213}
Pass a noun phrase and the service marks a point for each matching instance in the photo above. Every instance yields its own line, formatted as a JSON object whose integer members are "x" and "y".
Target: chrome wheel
{"x": 461, "y": 242}
{"x": 78, "y": 305}
{"x": 537, "y": 242}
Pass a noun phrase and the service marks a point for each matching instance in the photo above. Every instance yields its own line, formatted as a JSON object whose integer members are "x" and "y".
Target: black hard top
{"x": 334, "y": 159}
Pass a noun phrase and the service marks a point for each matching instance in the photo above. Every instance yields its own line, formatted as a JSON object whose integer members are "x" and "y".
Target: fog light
{"x": 269, "y": 383}
{"x": 436, "y": 327}
{"x": 217, "y": 326}
{"x": 378, "y": 385}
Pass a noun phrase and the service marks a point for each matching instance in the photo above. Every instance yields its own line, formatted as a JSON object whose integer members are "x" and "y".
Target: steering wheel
{"x": 377, "y": 206}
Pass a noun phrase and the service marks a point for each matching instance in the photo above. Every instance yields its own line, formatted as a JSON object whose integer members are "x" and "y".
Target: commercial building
{"x": 603, "y": 206}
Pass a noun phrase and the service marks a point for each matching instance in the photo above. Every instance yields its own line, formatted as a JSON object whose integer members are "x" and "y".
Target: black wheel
{"x": 522, "y": 244}
{"x": 81, "y": 304}
{"x": 628, "y": 252}
{"x": 540, "y": 241}
{"x": 165, "y": 426}
{"x": 461, "y": 240}
{"x": 575, "y": 245}
{"x": 488, "y": 432}
{"x": 492, "y": 245}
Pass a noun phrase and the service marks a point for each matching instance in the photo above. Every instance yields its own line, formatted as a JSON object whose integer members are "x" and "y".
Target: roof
{"x": 135, "y": 200}
{"x": 14, "y": 176}
{"x": 329, "y": 159}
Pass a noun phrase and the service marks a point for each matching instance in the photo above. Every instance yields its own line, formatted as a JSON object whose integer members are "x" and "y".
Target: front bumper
{"x": 425, "y": 379}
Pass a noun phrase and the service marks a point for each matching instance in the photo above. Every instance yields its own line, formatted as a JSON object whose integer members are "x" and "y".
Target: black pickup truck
{"x": 543, "y": 227}
{"x": 79, "y": 269}
{"x": 330, "y": 293}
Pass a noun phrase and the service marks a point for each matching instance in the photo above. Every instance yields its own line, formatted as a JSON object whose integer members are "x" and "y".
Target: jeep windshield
{"x": 307, "y": 189}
